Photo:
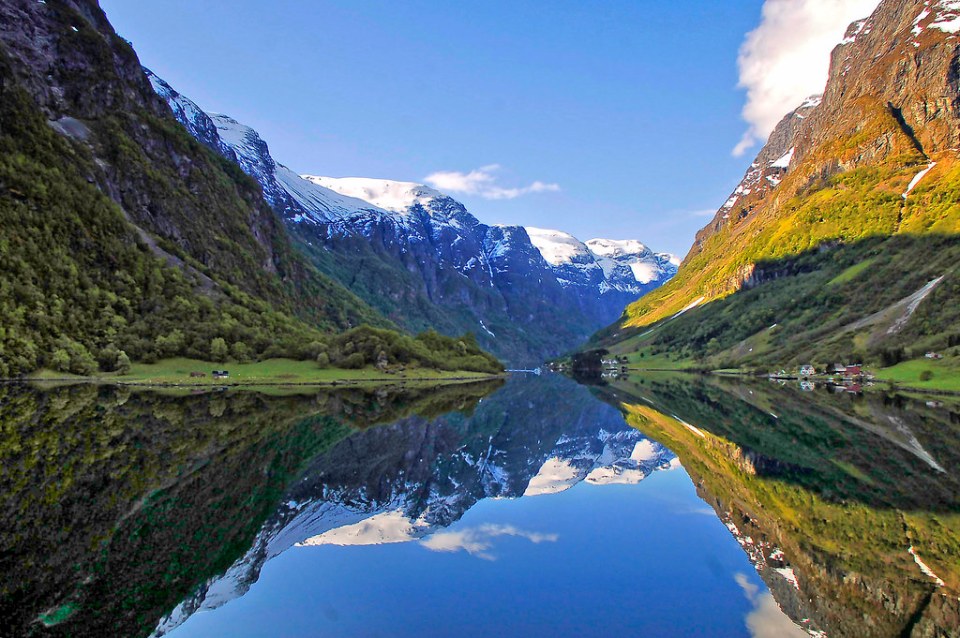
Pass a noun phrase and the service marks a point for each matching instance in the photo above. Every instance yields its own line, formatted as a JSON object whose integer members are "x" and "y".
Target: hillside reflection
{"x": 848, "y": 505}
{"x": 117, "y": 504}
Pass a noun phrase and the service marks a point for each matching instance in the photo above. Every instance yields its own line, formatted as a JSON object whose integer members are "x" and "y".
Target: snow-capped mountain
{"x": 405, "y": 482}
{"x": 603, "y": 266}
{"x": 423, "y": 260}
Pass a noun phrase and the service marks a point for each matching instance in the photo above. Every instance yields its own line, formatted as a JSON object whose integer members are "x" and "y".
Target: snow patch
{"x": 790, "y": 575}
{"x": 855, "y": 29}
{"x": 379, "y": 529}
{"x": 692, "y": 428}
{"x": 784, "y": 161}
{"x": 486, "y": 329}
{"x": 916, "y": 180}
{"x": 948, "y": 16}
{"x": 384, "y": 193}
{"x": 644, "y": 450}
{"x": 925, "y": 568}
{"x": 615, "y": 247}
{"x": 558, "y": 247}
{"x": 693, "y": 304}
{"x": 555, "y": 475}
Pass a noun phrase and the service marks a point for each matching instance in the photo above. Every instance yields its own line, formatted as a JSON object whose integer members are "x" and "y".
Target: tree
{"x": 82, "y": 362}
{"x": 108, "y": 358}
{"x": 353, "y": 361}
{"x": 323, "y": 360}
{"x": 60, "y": 361}
{"x": 240, "y": 351}
{"x": 123, "y": 363}
{"x": 218, "y": 349}
{"x": 170, "y": 345}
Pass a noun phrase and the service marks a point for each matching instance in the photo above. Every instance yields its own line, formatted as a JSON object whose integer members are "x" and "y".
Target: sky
{"x": 634, "y": 120}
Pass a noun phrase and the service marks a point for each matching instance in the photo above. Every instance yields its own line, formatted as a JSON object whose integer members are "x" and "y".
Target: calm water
{"x": 663, "y": 505}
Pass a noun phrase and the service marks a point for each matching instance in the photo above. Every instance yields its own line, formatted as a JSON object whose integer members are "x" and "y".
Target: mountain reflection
{"x": 123, "y": 513}
{"x": 407, "y": 481}
{"x": 848, "y": 506}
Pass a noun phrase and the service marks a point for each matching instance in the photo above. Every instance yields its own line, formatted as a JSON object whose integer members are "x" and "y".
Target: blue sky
{"x": 631, "y": 110}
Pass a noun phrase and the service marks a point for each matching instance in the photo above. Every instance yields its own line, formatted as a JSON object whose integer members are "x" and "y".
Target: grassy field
{"x": 272, "y": 371}
{"x": 646, "y": 360}
{"x": 944, "y": 374}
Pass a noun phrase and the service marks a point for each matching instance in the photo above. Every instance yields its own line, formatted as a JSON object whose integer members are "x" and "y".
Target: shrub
{"x": 123, "y": 363}
{"x": 353, "y": 361}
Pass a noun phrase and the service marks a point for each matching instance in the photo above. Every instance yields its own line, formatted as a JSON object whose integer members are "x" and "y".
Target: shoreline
{"x": 819, "y": 379}
{"x": 254, "y": 384}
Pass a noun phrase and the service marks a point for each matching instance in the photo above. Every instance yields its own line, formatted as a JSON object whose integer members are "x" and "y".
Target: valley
{"x": 391, "y": 336}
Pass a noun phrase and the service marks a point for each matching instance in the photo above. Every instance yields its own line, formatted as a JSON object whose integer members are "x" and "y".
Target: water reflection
{"x": 410, "y": 480}
{"x": 674, "y": 505}
{"x": 848, "y": 506}
{"x": 116, "y": 504}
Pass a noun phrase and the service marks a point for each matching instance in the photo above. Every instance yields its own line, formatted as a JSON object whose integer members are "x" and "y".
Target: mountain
{"x": 122, "y": 237}
{"x": 604, "y": 274}
{"x": 841, "y": 241}
{"x": 423, "y": 260}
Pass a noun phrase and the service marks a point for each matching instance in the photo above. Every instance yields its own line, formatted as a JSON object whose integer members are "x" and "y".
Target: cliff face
{"x": 764, "y": 175}
{"x": 855, "y": 189}
{"x": 87, "y": 82}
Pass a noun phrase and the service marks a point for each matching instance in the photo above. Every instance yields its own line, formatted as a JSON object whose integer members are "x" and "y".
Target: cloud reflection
{"x": 766, "y": 620}
{"x": 476, "y": 541}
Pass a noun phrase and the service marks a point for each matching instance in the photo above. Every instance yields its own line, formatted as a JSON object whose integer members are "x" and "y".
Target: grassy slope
{"x": 815, "y": 297}
{"x": 182, "y": 254}
{"x": 945, "y": 374}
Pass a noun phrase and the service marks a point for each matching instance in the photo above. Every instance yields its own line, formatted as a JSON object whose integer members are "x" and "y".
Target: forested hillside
{"x": 121, "y": 237}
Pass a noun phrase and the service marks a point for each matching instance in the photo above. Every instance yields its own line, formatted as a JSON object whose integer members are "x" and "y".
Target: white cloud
{"x": 482, "y": 182}
{"x": 476, "y": 541}
{"x": 766, "y": 619}
{"x": 787, "y": 57}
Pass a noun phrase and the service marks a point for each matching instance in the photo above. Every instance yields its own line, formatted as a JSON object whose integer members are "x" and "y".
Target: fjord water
{"x": 541, "y": 507}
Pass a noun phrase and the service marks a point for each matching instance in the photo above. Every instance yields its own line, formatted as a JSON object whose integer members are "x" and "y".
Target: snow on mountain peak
{"x": 245, "y": 141}
{"x": 384, "y": 193}
{"x": 558, "y": 247}
{"x": 563, "y": 250}
{"x": 615, "y": 247}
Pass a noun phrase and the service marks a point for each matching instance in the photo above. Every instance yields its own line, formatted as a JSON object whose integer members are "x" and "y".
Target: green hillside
{"x": 852, "y": 253}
